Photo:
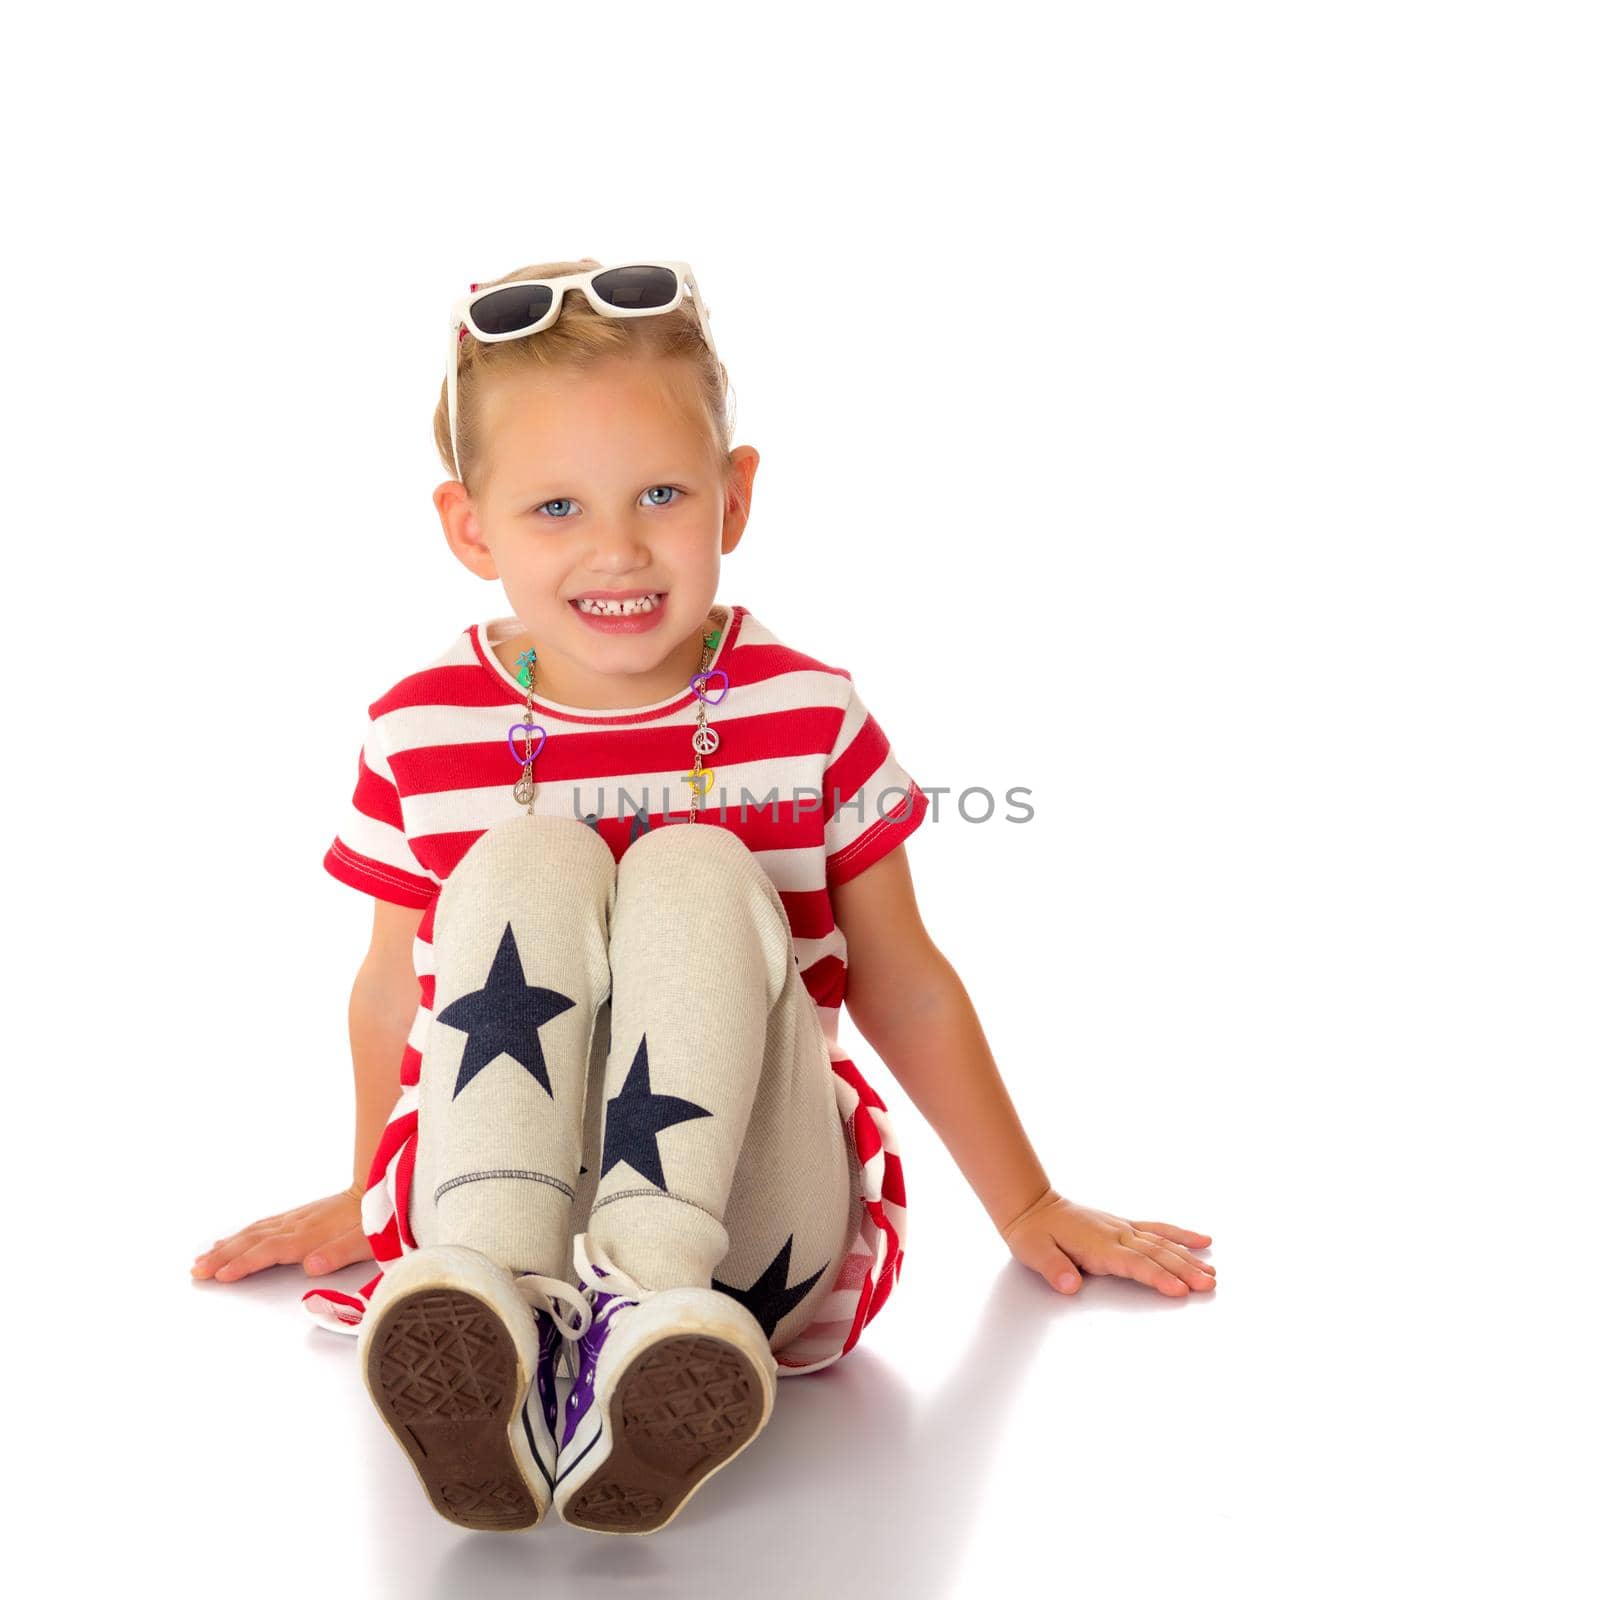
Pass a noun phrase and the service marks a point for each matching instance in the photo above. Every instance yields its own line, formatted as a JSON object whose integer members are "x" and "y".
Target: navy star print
{"x": 770, "y": 1299}
{"x": 504, "y": 1018}
{"x": 635, "y": 1118}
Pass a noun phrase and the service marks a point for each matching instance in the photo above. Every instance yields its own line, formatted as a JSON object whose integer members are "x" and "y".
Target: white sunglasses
{"x": 525, "y": 305}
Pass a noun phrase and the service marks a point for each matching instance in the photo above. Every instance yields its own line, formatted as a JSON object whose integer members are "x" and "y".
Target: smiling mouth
{"x": 620, "y": 608}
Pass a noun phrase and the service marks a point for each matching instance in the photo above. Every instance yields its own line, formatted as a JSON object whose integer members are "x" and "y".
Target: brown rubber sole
{"x": 685, "y": 1407}
{"x": 442, "y": 1368}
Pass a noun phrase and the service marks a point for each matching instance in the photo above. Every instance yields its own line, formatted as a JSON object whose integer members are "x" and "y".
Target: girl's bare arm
{"x": 326, "y": 1233}
{"x": 383, "y": 1005}
{"x": 913, "y": 1009}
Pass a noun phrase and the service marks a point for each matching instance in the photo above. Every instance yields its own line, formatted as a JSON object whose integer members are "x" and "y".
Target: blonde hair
{"x": 580, "y": 337}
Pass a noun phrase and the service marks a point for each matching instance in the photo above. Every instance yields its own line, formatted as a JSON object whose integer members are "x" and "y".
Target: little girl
{"x": 626, "y": 841}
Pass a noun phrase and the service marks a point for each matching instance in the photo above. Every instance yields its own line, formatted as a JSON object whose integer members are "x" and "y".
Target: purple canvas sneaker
{"x": 541, "y": 1410}
{"x": 459, "y": 1356}
{"x": 670, "y": 1385}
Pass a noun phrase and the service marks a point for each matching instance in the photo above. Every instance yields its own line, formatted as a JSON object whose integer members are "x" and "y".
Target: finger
{"x": 223, "y": 1250}
{"x": 1180, "y": 1266}
{"x": 339, "y": 1251}
{"x": 248, "y": 1234}
{"x": 1178, "y": 1235}
{"x": 1128, "y": 1263}
{"x": 1052, "y": 1263}
{"x": 1154, "y": 1244}
{"x": 276, "y": 1251}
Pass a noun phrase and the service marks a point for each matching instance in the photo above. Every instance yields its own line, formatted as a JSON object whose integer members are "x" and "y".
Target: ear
{"x": 742, "y": 464}
{"x": 460, "y": 522}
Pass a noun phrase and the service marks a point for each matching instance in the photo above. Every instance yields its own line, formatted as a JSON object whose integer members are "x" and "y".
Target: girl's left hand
{"x": 1060, "y": 1241}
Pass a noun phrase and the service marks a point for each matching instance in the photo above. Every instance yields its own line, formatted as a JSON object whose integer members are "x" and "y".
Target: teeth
{"x": 620, "y": 608}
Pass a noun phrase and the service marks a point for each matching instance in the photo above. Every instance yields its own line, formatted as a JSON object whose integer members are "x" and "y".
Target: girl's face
{"x": 601, "y": 481}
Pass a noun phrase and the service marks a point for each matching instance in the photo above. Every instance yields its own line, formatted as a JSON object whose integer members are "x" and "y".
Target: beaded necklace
{"x": 704, "y": 739}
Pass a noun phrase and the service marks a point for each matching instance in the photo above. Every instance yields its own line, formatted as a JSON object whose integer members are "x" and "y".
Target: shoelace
{"x": 548, "y": 1295}
{"x": 601, "y": 1275}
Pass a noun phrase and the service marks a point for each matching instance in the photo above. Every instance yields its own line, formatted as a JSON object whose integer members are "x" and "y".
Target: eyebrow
{"x": 645, "y": 481}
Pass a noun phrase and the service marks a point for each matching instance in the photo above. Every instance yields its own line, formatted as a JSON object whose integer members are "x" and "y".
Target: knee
{"x": 699, "y": 870}
{"x": 525, "y": 847}
{"x": 701, "y": 842}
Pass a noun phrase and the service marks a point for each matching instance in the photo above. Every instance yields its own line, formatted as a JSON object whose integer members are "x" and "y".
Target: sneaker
{"x": 670, "y": 1385}
{"x": 459, "y": 1356}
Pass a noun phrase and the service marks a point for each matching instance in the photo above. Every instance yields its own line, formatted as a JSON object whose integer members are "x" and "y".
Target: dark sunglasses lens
{"x": 637, "y": 288}
{"x": 519, "y": 305}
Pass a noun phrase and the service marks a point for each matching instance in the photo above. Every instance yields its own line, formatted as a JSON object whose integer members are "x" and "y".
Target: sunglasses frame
{"x": 461, "y": 316}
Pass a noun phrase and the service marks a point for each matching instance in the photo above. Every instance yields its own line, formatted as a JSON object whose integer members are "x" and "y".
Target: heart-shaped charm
{"x": 703, "y": 786}
{"x": 700, "y": 679}
{"x": 524, "y": 758}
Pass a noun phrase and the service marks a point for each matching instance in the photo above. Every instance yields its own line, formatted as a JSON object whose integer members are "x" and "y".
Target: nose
{"x": 617, "y": 547}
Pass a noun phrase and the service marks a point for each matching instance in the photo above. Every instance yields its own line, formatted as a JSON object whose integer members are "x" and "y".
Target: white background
{"x": 1188, "y": 412}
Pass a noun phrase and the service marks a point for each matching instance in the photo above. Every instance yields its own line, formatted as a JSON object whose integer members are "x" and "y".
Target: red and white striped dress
{"x": 436, "y": 771}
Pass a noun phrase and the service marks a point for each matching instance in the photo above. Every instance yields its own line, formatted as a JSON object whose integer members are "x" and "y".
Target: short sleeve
{"x": 870, "y": 802}
{"x": 370, "y": 851}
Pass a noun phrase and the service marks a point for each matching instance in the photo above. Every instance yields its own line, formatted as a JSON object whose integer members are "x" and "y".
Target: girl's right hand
{"x": 326, "y": 1235}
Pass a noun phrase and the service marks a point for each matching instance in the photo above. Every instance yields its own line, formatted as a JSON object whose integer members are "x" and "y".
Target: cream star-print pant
{"x": 627, "y": 1047}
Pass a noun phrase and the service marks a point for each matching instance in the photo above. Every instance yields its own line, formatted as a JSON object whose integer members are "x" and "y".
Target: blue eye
{"x": 565, "y": 515}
